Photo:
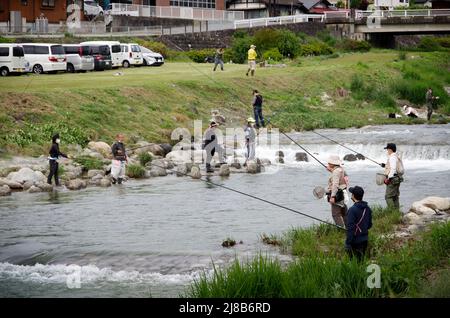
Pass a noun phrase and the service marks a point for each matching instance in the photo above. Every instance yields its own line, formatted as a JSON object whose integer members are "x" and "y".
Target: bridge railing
{"x": 250, "y": 23}
{"x": 401, "y": 13}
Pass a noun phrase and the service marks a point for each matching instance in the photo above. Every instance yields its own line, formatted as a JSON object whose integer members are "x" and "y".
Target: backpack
{"x": 400, "y": 168}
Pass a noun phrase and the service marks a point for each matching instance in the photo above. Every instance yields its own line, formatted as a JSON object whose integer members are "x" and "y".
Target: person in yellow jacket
{"x": 251, "y": 60}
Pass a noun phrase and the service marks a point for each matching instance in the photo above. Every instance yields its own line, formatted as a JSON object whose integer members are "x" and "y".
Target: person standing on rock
{"x": 218, "y": 59}
{"x": 120, "y": 159}
{"x": 251, "y": 57}
{"x": 211, "y": 145}
{"x": 393, "y": 172}
{"x": 358, "y": 223}
{"x": 53, "y": 159}
{"x": 257, "y": 109}
{"x": 337, "y": 184}
{"x": 250, "y": 139}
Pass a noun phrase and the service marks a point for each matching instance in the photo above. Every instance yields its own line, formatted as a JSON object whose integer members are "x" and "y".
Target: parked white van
{"x": 45, "y": 57}
{"x": 12, "y": 59}
{"x": 78, "y": 58}
{"x": 114, "y": 47}
{"x": 131, "y": 54}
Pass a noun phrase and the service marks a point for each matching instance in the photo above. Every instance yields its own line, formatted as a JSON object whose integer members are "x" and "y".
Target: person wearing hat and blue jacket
{"x": 358, "y": 223}
{"x": 54, "y": 154}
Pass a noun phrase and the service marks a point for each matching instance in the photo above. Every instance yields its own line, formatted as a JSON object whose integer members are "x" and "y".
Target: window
{"x": 18, "y": 51}
{"x": 35, "y": 49}
{"x": 48, "y": 3}
{"x": 104, "y": 50}
{"x": 24, "y": 2}
{"x": 124, "y": 48}
{"x": 116, "y": 49}
{"x": 58, "y": 49}
{"x": 71, "y": 50}
{"x": 211, "y": 4}
{"x": 85, "y": 50}
{"x": 4, "y": 51}
{"x": 135, "y": 48}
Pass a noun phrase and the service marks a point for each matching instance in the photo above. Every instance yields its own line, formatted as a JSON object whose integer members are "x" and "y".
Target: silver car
{"x": 79, "y": 58}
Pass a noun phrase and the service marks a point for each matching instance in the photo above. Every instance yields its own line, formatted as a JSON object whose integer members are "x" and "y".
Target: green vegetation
{"x": 89, "y": 163}
{"x": 322, "y": 269}
{"x": 144, "y": 158}
{"x": 135, "y": 171}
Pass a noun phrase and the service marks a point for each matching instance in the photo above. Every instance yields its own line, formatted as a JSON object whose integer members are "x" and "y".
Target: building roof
{"x": 308, "y": 4}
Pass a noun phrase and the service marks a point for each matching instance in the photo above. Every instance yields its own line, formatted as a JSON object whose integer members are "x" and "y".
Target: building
{"x": 53, "y": 10}
{"x": 391, "y": 4}
{"x": 203, "y": 4}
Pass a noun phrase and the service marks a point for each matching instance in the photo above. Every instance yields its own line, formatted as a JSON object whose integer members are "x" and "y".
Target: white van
{"x": 45, "y": 57}
{"x": 131, "y": 54}
{"x": 114, "y": 47}
{"x": 12, "y": 59}
{"x": 78, "y": 58}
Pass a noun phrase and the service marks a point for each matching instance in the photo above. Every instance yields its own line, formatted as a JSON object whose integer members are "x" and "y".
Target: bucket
{"x": 319, "y": 192}
{"x": 380, "y": 178}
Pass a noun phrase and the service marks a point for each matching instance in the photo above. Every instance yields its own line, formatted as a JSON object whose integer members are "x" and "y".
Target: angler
{"x": 393, "y": 176}
{"x": 120, "y": 159}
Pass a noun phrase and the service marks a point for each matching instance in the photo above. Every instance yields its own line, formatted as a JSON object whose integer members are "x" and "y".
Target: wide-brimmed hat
{"x": 253, "y": 46}
{"x": 334, "y": 160}
{"x": 251, "y": 120}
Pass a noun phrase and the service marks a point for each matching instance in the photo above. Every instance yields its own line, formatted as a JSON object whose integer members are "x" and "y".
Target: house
{"x": 434, "y": 4}
{"x": 53, "y": 10}
{"x": 391, "y": 4}
{"x": 203, "y": 4}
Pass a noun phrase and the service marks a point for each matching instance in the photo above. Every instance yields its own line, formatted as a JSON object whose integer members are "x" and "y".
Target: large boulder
{"x": 224, "y": 170}
{"x": 158, "y": 171}
{"x": 105, "y": 182}
{"x": 279, "y": 160}
{"x": 27, "y": 185}
{"x": 26, "y": 174}
{"x": 34, "y": 189}
{"x": 101, "y": 147}
{"x": 350, "y": 157}
{"x": 301, "y": 156}
{"x": 14, "y": 185}
{"x": 166, "y": 147}
{"x": 430, "y": 206}
{"x": 412, "y": 218}
{"x": 93, "y": 172}
{"x": 143, "y": 147}
{"x": 279, "y": 153}
{"x": 4, "y": 190}
{"x": 360, "y": 156}
{"x": 179, "y": 156}
{"x": 195, "y": 172}
{"x": 252, "y": 166}
{"x": 72, "y": 172}
{"x": 76, "y": 184}
{"x": 44, "y": 186}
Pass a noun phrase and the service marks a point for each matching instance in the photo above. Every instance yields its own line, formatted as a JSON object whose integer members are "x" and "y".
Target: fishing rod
{"x": 358, "y": 153}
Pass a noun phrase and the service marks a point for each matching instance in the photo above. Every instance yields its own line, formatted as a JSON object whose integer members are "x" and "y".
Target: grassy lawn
{"x": 151, "y": 101}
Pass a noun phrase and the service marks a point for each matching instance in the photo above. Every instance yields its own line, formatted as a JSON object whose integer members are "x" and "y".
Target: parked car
{"x": 45, "y": 57}
{"x": 114, "y": 48}
{"x": 92, "y": 8}
{"x": 12, "y": 59}
{"x": 102, "y": 56}
{"x": 131, "y": 55}
{"x": 151, "y": 58}
{"x": 78, "y": 58}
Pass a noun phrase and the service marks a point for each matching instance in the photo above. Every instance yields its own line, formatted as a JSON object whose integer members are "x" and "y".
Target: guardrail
{"x": 137, "y": 10}
{"x": 250, "y": 23}
{"x": 401, "y": 13}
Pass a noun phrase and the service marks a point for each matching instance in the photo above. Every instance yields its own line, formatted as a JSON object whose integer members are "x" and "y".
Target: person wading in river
{"x": 250, "y": 142}
{"x": 337, "y": 184}
{"x": 211, "y": 145}
{"x": 394, "y": 176}
{"x": 53, "y": 160}
{"x": 120, "y": 158}
{"x": 358, "y": 223}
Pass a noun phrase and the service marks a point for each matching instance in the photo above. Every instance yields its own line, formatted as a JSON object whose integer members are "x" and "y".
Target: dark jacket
{"x": 118, "y": 151}
{"x": 358, "y": 225}
{"x": 257, "y": 101}
{"x": 54, "y": 151}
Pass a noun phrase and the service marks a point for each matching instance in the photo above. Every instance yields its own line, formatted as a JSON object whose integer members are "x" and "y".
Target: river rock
{"x": 101, "y": 147}
{"x": 75, "y": 184}
{"x": 179, "y": 156}
{"x": 280, "y": 154}
{"x": 34, "y": 189}
{"x": 301, "y": 156}
{"x": 360, "y": 156}
{"x": 252, "y": 167}
{"x": 105, "y": 182}
{"x": 236, "y": 164}
{"x": 97, "y": 177}
{"x": 195, "y": 172}
{"x": 4, "y": 190}
{"x": 44, "y": 186}
{"x": 412, "y": 218}
{"x": 92, "y": 173}
{"x": 14, "y": 185}
{"x": 27, "y": 185}
{"x": 26, "y": 174}
{"x": 430, "y": 205}
{"x": 350, "y": 157}
{"x": 166, "y": 147}
{"x": 266, "y": 162}
{"x": 279, "y": 160}
{"x": 149, "y": 147}
{"x": 158, "y": 171}
{"x": 224, "y": 170}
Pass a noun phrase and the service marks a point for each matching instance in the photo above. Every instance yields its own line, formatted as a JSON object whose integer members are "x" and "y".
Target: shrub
{"x": 89, "y": 163}
{"x": 402, "y": 55}
{"x": 354, "y": 46}
{"x": 158, "y": 47}
{"x": 144, "y": 158}
{"x": 199, "y": 56}
{"x": 266, "y": 38}
{"x": 357, "y": 83}
{"x": 135, "y": 171}
{"x": 288, "y": 44}
{"x": 6, "y": 40}
{"x": 326, "y": 37}
{"x": 315, "y": 48}
{"x": 273, "y": 54}
{"x": 414, "y": 91}
{"x": 428, "y": 43}
{"x": 239, "y": 48}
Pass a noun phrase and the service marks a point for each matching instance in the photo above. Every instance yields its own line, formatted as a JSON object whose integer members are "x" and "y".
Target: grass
{"x": 89, "y": 163}
{"x": 135, "y": 171}
{"x": 318, "y": 274}
{"x": 150, "y": 102}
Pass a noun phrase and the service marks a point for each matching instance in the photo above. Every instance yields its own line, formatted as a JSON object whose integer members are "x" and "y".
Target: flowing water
{"x": 151, "y": 238}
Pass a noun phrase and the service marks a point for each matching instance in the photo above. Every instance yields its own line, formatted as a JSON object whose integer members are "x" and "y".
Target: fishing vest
{"x": 399, "y": 169}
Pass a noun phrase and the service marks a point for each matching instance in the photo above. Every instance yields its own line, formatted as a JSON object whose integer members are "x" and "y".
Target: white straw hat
{"x": 334, "y": 160}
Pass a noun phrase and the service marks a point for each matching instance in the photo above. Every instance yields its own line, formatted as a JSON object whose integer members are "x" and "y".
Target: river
{"x": 151, "y": 238}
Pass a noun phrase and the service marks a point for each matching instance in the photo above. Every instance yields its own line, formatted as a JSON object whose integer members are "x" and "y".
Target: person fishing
{"x": 250, "y": 139}
{"x": 218, "y": 59}
{"x": 358, "y": 223}
{"x": 393, "y": 176}
{"x": 431, "y": 101}
{"x": 337, "y": 184}
{"x": 257, "y": 109}
{"x": 211, "y": 145}
{"x": 54, "y": 154}
{"x": 251, "y": 57}
{"x": 120, "y": 159}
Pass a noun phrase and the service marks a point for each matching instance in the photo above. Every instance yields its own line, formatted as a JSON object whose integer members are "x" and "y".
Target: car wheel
{"x": 70, "y": 68}
{"x": 4, "y": 71}
{"x": 145, "y": 62}
{"x": 126, "y": 64}
{"x": 100, "y": 13}
{"x": 37, "y": 69}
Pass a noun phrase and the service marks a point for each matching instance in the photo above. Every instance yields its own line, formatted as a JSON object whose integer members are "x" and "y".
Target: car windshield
{"x": 57, "y": 49}
{"x": 145, "y": 50}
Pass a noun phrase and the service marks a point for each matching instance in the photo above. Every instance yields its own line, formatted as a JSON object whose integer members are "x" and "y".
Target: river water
{"x": 151, "y": 238}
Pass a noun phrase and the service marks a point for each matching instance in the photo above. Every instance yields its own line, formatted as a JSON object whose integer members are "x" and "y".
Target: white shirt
{"x": 392, "y": 164}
